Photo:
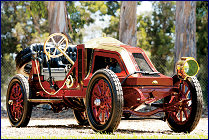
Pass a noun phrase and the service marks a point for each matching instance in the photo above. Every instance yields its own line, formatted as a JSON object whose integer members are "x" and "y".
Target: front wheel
{"x": 188, "y": 112}
{"x": 104, "y": 101}
{"x": 18, "y": 108}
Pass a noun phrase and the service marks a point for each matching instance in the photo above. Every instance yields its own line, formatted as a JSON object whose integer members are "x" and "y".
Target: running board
{"x": 45, "y": 100}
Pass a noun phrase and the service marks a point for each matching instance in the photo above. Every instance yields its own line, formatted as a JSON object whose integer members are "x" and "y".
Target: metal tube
{"x": 45, "y": 100}
{"x": 67, "y": 57}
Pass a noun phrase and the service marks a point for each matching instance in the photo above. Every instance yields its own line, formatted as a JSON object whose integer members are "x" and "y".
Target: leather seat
{"x": 58, "y": 62}
{"x": 71, "y": 52}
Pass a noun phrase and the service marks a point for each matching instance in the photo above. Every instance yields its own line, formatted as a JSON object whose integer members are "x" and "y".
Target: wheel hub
{"x": 10, "y": 102}
{"x": 97, "y": 102}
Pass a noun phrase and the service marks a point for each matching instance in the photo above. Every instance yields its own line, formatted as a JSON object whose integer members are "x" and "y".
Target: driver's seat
{"x": 57, "y": 65}
{"x": 59, "y": 62}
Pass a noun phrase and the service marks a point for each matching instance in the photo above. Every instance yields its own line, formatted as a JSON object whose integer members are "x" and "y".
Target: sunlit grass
{"x": 116, "y": 136}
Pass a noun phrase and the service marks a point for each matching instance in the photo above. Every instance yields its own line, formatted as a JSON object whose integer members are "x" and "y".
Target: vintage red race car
{"x": 101, "y": 80}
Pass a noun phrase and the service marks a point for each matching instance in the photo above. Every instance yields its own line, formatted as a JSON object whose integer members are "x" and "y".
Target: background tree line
{"x": 26, "y": 22}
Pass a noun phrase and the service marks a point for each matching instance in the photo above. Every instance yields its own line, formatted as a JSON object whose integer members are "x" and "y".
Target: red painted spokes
{"x": 16, "y": 102}
{"x": 184, "y": 106}
{"x": 101, "y": 101}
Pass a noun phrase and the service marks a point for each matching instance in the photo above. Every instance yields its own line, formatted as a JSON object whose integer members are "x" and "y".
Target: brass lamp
{"x": 187, "y": 67}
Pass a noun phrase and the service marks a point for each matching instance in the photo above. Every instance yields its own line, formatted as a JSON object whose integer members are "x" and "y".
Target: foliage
{"x": 202, "y": 27}
{"x": 156, "y": 34}
{"x": 202, "y": 45}
{"x": 163, "y": 28}
{"x": 114, "y": 12}
{"x": 79, "y": 17}
{"x": 22, "y": 23}
{"x": 26, "y": 22}
{"x": 7, "y": 69}
{"x": 8, "y": 21}
{"x": 144, "y": 28}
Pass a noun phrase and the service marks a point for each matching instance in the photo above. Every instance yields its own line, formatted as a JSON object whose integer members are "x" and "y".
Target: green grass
{"x": 116, "y": 136}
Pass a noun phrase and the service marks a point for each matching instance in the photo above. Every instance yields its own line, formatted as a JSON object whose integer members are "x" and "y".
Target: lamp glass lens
{"x": 191, "y": 67}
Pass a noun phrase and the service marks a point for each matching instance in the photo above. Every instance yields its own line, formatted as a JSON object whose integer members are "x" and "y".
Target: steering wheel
{"x": 55, "y": 45}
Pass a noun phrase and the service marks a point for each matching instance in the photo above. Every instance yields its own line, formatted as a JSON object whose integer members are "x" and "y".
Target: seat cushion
{"x": 71, "y": 52}
{"x": 57, "y": 62}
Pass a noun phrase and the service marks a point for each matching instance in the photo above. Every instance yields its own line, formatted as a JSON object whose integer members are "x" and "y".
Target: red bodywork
{"x": 137, "y": 89}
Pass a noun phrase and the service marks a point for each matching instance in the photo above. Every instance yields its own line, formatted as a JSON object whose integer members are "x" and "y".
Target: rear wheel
{"x": 18, "y": 108}
{"x": 188, "y": 112}
{"x": 104, "y": 101}
{"x": 23, "y": 62}
{"x": 23, "y": 57}
{"x": 81, "y": 117}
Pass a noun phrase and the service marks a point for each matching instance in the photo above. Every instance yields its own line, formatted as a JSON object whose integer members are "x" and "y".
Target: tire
{"x": 191, "y": 110}
{"x": 23, "y": 60}
{"x": 23, "y": 57}
{"x": 104, "y": 111}
{"x": 18, "y": 108}
{"x": 80, "y": 117}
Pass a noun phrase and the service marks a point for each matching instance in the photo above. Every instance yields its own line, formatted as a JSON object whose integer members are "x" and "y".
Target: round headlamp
{"x": 187, "y": 67}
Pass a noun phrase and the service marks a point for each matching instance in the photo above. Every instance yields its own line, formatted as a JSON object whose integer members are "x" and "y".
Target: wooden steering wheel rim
{"x": 46, "y": 42}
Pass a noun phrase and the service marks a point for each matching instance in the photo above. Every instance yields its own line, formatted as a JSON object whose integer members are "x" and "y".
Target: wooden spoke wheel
{"x": 104, "y": 101}
{"x": 188, "y": 110}
{"x": 54, "y": 43}
{"x": 101, "y": 101}
{"x": 18, "y": 108}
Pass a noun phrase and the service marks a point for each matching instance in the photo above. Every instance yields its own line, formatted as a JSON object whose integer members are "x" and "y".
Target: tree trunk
{"x": 57, "y": 17}
{"x": 185, "y": 44}
{"x": 128, "y": 20}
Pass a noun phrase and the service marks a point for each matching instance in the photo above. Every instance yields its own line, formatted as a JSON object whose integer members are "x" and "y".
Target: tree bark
{"x": 128, "y": 20}
{"x": 57, "y": 17}
{"x": 185, "y": 44}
